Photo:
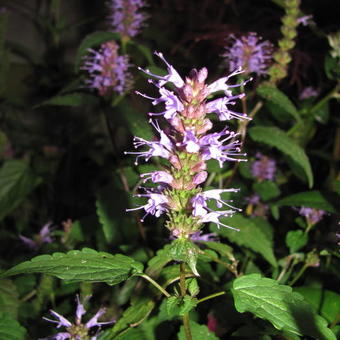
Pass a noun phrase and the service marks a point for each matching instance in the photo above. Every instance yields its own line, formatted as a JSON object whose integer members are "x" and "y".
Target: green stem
{"x": 153, "y": 282}
{"x": 211, "y": 296}
{"x": 299, "y": 274}
{"x": 183, "y": 288}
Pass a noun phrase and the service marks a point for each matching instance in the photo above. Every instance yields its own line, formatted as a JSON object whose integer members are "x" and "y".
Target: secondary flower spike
{"x": 125, "y": 17}
{"x": 108, "y": 71}
{"x": 185, "y": 144}
{"x": 250, "y": 53}
{"x": 77, "y": 330}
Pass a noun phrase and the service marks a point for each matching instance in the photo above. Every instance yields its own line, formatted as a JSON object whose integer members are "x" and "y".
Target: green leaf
{"x": 129, "y": 334}
{"x": 10, "y": 329}
{"x": 136, "y": 120}
{"x": 16, "y": 182}
{"x": 198, "y": 332}
{"x": 178, "y": 306}
{"x": 185, "y": 251}
{"x": 311, "y": 199}
{"x": 85, "y": 265}
{"x": 266, "y": 189}
{"x": 221, "y": 248}
{"x": 276, "y": 97}
{"x": 193, "y": 286}
{"x": 156, "y": 264}
{"x": 323, "y": 301}
{"x": 106, "y": 215}
{"x": 71, "y": 99}
{"x": 273, "y": 136}
{"x": 286, "y": 310}
{"x": 133, "y": 316}
{"x": 92, "y": 40}
{"x": 295, "y": 240}
{"x": 9, "y": 301}
{"x": 253, "y": 234}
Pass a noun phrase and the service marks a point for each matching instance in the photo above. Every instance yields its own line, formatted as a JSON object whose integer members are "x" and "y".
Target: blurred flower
{"x": 263, "y": 168}
{"x": 77, "y": 330}
{"x": 125, "y": 17}
{"x": 38, "y": 240}
{"x": 256, "y": 207}
{"x": 250, "y": 53}
{"x": 108, "y": 71}
{"x": 308, "y": 92}
{"x": 305, "y": 20}
{"x": 313, "y": 216}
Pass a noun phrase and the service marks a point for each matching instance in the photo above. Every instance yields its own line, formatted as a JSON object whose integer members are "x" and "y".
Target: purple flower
{"x": 214, "y": 148}
{"x": 161, "y": 148}
{"x": 171, "y": 101}
{"x": 108, "y": 70}
{"x": 263, "y": 168}
{"x": 205, "y": 214}
{"x": 172, "y": 76}
{"x": 157, "y": 177}
{"x": 44, "y": 236}
{"x": 305, "y": 20}
{"x": 313, "y": 216}
{"x": 199, "y": 237}
{"x": 157, "y": 204}
{"x": 308, "y": 92}
{"x": 250, "y": 53}
{"x": 78, "y": 330}
{"x": 125, "y": 17}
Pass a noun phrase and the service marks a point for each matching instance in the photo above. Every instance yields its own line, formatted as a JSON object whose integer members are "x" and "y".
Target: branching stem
{"x": 154, "y": 283}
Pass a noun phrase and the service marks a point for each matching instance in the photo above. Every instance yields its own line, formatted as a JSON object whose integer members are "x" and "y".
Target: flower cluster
{"x": 78, "y": 330}
{"x": 107, "y": 69}
{"x": 263, "y": 168}
{"x": 125, "y": 17}
{"x": 250, "y": 53}
{"x": 313, "y": 216}
{"x": 187, "y": 145}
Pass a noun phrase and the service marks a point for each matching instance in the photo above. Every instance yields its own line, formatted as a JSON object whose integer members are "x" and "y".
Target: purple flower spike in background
{"x": 313, "y": 216}
{"x": 263, "y": 168}
{"x": 125, "y": 17}
{"x": 108, "y": 71}
{"x": 78, "y": 330}
{"x": 250, "y": 53}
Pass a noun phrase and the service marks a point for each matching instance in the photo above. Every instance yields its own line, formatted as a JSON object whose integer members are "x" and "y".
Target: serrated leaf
{"x": 253, "y": 234}
{"x": 185, "y": 251}
{"x": 295, "y": 240}
{"x": 161, "y": 258}
{"x": 133, "y": 316}
{"x": 198, "y": 332}
{"x": 312, "y": 199}
{"x": 71, "y": 99}
{"x": 129, "y": 334}
{"x": 81, "y": 265}
{"x": 10, "y": 329}
{"x": 266, "y": 189}
{"x": 92, "y": 40}
{"x": 278, "y": 304}
{"x": 9, "y": 301}
{"x": 221, "y": 248}
{"x": 273, "y": 136}
{"x": 323, "y": 301}
{"x": 16, "y": 182}
{"x": 178, "y": 306}
{"x": 273, "y": 95}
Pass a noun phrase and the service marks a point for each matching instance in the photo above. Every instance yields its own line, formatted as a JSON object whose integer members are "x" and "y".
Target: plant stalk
{"x": 186, "y": 319}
